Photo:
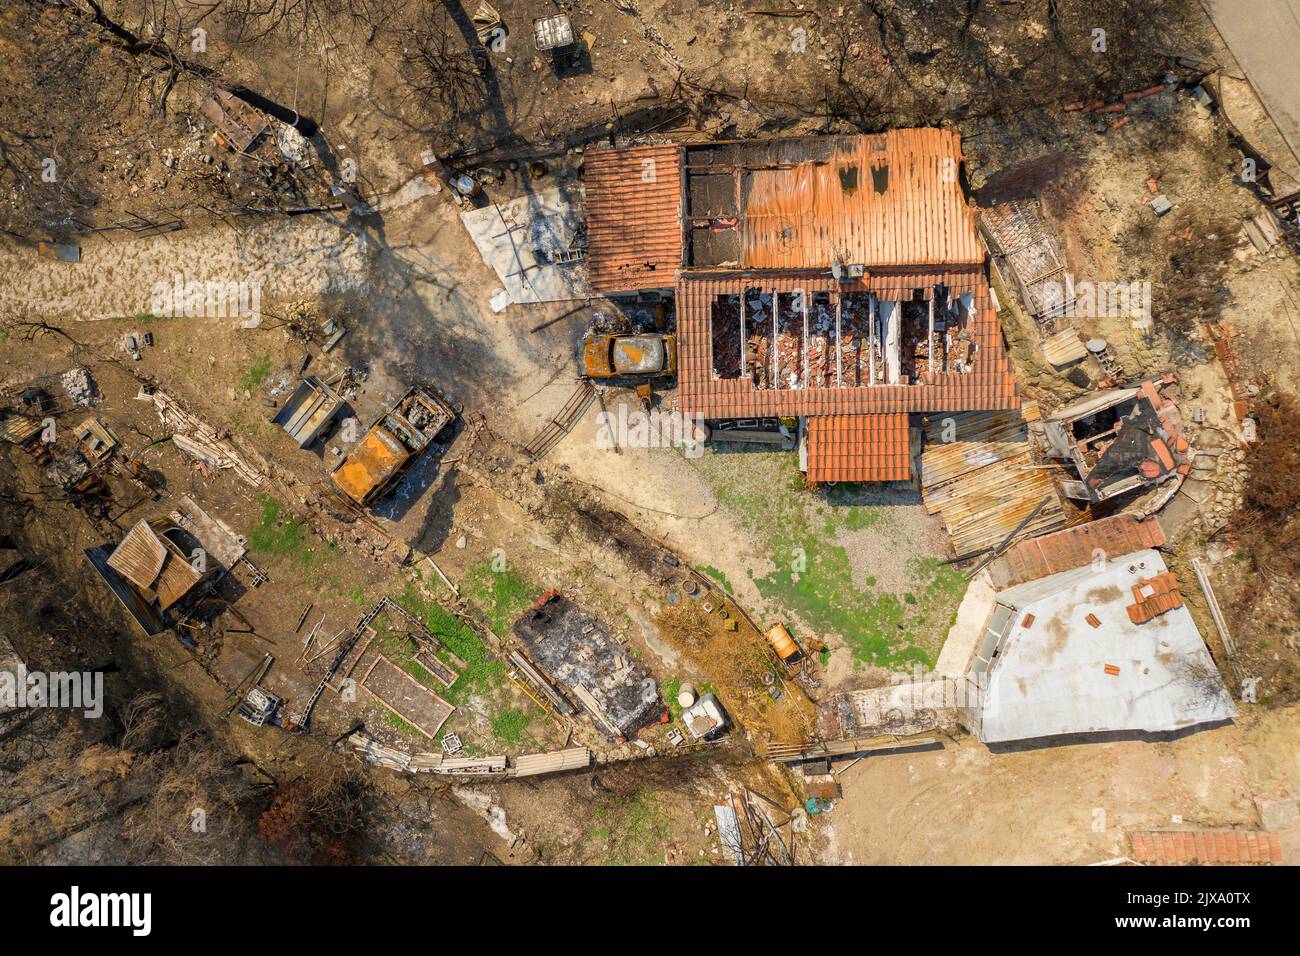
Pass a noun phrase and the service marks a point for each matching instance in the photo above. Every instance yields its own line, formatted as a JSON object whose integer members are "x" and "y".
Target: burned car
{"x": 636, "y": 356}
{"x": 391, "y": 444}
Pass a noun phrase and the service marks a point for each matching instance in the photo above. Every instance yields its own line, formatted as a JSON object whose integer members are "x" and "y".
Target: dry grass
{"x": 735, "y": 663}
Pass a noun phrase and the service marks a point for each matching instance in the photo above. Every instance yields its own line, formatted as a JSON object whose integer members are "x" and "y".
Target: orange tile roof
{"x": 872, "y": 447}
{"x": 891, "y": 199}
{"x": 1154, "y": 597}
{"x": 1206, "y": 846}
{"x": 634, "y": 217}
{"x": 991, "y": 384}
{"x": 1075, "y": 547}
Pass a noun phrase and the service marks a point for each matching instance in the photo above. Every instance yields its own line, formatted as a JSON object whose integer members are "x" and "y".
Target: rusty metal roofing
{"x": 19, "y": 429}
{"x": 177, "y": 579}
{"x": 1075, "y": 547}
{"x": 140, "y": 556}
{"x": 892, "y": 199}
{"x": 975, "y": 475}
{"x": 871, "y": 447}
{"x": 967, "y": 441}
{"x": 155, "y": 570}
{"x": 634, "y": 217}
{"x": 989, "y": 385}
{"x": 373, "y": 462}
{"x": 240, "y": 123}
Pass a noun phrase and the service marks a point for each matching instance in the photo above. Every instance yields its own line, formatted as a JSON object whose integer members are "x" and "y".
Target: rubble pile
{"x": 80, "y": 386}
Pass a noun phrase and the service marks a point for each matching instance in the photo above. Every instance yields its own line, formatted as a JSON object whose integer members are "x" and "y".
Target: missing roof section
{"x": 1119, "y": 441}
{"x": 770, "y": 345}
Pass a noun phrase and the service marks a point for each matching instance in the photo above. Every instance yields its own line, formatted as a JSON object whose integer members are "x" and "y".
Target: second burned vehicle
{"x": 392, "y": 444}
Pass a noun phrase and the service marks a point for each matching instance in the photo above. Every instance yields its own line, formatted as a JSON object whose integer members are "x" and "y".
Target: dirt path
{"x": 1063, "y": 805}
{"x": 1264, "y": 37}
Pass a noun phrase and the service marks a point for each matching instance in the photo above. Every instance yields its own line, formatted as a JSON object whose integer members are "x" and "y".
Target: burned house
{"x": 1117, "y": 441}
{"x": 577, "y": 653}
{"x": 839, "y": 280}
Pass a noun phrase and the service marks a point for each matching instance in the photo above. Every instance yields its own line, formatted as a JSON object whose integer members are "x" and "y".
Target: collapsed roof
{"x": 578, "y": 653}
{"x": 1118, "y": 441}
{"x": 155, "y": 558}
{"x": 818, "y": 276}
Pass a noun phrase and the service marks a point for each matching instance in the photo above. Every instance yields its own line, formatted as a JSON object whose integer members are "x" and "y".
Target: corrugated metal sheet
{"x": 983, "y": 507}
{"x": 871, "y": 447}
{"x": 140, "y": 556}
{"x": 990, "y": 385}
{"x": 634, "y": 217}
{"x": 1064, "y": 348}
{"x": 574, "y": 758}
{"x": 966, "y": 441}
{"x": 19, "y": 429}
{"x": 890, "y": 199}
{"x": 974, "y": 475}
{"x": 177, "y": 579}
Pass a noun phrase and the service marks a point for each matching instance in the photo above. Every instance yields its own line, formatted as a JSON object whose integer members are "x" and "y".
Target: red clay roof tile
{"x": 872, "y": 447}
{"x": 1075, "y": 547}
{"x": 634, "y": 217}
{"x": 1212, "y": 847}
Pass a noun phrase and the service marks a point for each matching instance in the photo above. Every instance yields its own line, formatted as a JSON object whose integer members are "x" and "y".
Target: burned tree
{"x": 445, "y": 77}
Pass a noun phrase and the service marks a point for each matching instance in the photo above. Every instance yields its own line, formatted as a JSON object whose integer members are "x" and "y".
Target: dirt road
{"x": 1264, "y": 36}
{"x": 1063, "y": 805}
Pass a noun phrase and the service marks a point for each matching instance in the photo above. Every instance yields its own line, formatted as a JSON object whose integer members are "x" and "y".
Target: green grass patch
{"x": 256, "y": 373}
{"x": 502, "y": 596}
{"x": 672, "y": 687}
{"x": 390, "y": 719}
{"x": 480, "y": 674}
{"x": 634, "y": 830}
{"x": 281, "y": 536}
{"x": 804, "y": 533}
{"x": 717, "y": 576}
{"x": 508, "y": 726}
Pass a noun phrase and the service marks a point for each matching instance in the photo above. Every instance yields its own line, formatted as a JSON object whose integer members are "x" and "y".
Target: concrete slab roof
{"x": 525, "y": 240}
{"x": 1073, "y": 662}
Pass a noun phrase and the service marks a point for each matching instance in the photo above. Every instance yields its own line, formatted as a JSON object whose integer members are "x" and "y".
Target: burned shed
{"x": 152, "y": 569}
{"x": 1118, "y": 441}
{"x": 577, "y": 652}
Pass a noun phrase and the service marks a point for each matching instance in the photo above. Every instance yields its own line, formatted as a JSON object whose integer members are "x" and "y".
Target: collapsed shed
{"x": 1118, "y": 441}
{"x": 577, "y": 652}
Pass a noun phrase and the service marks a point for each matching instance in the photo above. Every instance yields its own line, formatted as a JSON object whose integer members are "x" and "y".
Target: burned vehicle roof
{"x": 639, "y": 353}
